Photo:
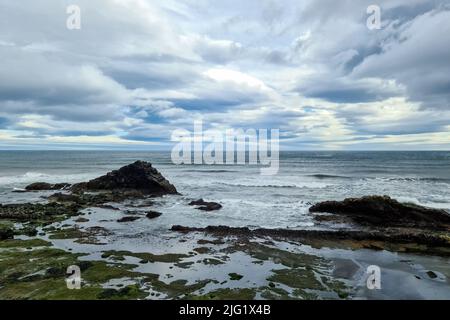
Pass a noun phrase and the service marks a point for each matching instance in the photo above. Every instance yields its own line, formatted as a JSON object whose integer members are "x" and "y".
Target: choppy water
{"x": 249, "y": 198}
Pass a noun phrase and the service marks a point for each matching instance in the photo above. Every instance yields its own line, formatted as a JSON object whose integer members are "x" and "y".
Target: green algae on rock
{"x": 148, "y": 257}
{"x": 41, "y": 274}
{"x": 13, "y": 243}
{"x": 228, "y": 294}
{"x": 178, "y": 289}
{"x": 38, "y": 211}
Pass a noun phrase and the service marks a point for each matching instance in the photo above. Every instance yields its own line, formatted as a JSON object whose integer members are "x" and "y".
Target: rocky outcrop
{"x": 138, "y": 180}
{"x": 382, "y": 211}
{"x": 43, "y": 186}
{"x": 139, "y": 176}
{"x": 6, "y": 233}
{"x": 153, "y": 214}
{"x": 128, "y": 219}
{"x": 206, "y": 206}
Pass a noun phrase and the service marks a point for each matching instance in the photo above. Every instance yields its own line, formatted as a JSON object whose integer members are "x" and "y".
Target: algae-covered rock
{"x": 34, "y": 211}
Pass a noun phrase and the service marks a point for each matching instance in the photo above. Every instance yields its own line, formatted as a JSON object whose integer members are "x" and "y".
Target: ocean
{"x": 252, "y": 200}
{"x": 248, "y": 198}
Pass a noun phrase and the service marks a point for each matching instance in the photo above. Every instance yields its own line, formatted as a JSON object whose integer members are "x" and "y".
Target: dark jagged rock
{"x": 128, "y": 219}
{"x": 6, "y": 233}
{"x": 206, "y": 206}
{"x": 140, "y": 176}
{"x": 199, "y": 202}
{"x": 211, "y": 206}
{"x": 43, "y": 186}
{"x": 382, "y": 211}
{"x": 153, "y": 214}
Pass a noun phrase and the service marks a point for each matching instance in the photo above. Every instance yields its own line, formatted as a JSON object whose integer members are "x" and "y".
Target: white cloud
{"x": 138, "y": 69}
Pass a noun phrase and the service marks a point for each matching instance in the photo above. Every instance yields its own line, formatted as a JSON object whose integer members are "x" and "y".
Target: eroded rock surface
{"x": 140, "y": 176}
{"x": 383, "y": 211}
{"x": 395, "y": 239}
{"x": 206, "y": 206}
{"x": 153, "y": 214}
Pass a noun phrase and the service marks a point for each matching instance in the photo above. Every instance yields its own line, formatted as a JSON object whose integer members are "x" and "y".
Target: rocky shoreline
{"x": 382, "y": 211}
{"x": 379, "y": 223}
{"x": 394, "y": 239}
{"x": 135, "y": 181}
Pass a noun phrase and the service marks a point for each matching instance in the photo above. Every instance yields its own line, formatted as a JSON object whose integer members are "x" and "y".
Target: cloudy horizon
{"x": 137, "y": 70}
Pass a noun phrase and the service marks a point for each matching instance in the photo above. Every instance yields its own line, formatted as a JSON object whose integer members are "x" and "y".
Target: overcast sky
{"x": 138, "y": 69}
